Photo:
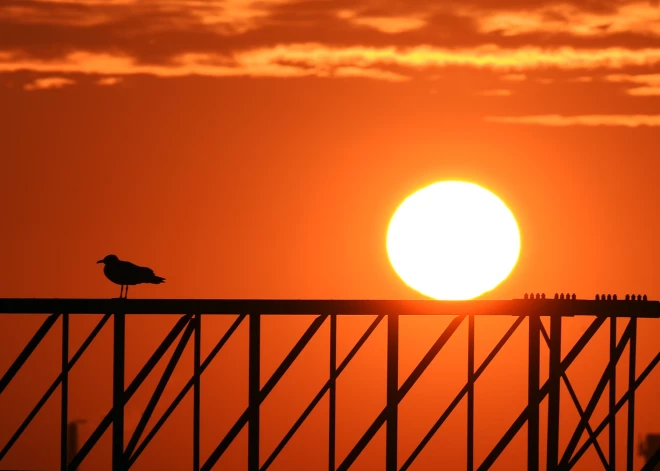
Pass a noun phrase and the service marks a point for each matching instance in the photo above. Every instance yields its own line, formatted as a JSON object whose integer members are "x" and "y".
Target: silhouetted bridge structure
{"x": 190, "y": 323}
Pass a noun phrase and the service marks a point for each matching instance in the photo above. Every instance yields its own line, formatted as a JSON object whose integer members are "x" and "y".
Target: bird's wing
{"x": 146, "y": 273}
{"x": 136, "y": 271}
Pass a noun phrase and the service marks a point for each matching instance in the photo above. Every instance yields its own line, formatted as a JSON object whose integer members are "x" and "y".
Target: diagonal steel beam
{"x": 270, "y": 384}
{"x": 158, "y": 392}
{"x": 295, "y": 351}
{"x": 150, "y": 436}
{"x": 321, "y": 393}
{"x": 543, "y": 391}
{"x": 27, "y": 350}
{"x": 53, "y": 387}
{"x": 593, "y": 402}
{"x": 128, "y": 393}
{"x": 579, "y": 408}
{"x": 619, "y": 405}
{"x": 405, "y": 388}
{"x": 453, "y": 404}
{"x": 652, "y": 462}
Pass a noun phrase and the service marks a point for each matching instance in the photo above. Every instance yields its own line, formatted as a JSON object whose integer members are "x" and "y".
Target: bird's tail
{"x": 156, "y": 280}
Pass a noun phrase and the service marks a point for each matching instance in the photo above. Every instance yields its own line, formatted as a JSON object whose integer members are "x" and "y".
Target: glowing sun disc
{"x": 453, "y": 240}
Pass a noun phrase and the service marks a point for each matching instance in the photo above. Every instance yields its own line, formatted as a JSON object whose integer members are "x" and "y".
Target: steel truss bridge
{"x": 190, "y": 323}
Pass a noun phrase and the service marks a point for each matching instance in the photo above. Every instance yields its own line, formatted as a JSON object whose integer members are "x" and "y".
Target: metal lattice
{"x": 190, "y": 322}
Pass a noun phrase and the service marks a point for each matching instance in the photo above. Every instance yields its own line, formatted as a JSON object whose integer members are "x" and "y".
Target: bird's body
{"x": 127, "y": 274}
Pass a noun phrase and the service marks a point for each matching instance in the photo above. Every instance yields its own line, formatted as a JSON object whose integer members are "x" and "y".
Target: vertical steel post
{"x": 612, "y": 396}
{"x": 197, "y": 388}
{"x": 533, "y": 392}
{"x": 470, "y": 395}
{"x": 332, "y": 434}
{"x": 64, "y": 416}
{"x": 630, "y": 439}
{"x": 254, "y": 389}
{"x": 552, "y": 455}
{"x": 392, "y": 392}
{"x": 119, "y": 350}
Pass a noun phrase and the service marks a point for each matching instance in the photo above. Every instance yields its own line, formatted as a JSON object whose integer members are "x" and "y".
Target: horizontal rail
{"x": 513, "y": 307}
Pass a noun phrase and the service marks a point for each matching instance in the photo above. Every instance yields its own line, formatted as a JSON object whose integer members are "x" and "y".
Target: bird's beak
{"x": 100, "y": 261}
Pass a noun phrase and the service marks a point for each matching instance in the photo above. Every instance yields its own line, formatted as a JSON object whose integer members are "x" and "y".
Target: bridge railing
{"x": 188, "y": 328}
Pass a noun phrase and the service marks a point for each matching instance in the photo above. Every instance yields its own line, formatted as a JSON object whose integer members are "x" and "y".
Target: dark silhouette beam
{"x": 630, "y": 436}
{"x": 53, "y": 387}
{"x": 554, "y": 379}
{"x": 332, "y": 386}
{"x": 513, "y": 307}
{"x": 392, "y": 380}
{"x": 405, "y": 388}
{"x": 578, "y": 406}
{"x": 197, "y": 375}
{"x": 190, "y": 325}
{"x": 619, "y": 405}
{"x": 27, "y": 351}
{"x": 190, "y": 384}
{"x": 593, "y": 402}
{"x": 533, "y": 396}
{"x": 322, "y": 392}
{"x": 270, "y": 384}
{"x": 491, "y": 356}
{"x": 522, "y": 418}
{"x": 254, "y": 389}
{"x": 471, "y": 378}
{"x": 158, "y": 392}
{"x": 118, "y": 370}
{"x": 128, "y": 393}
{"x": 64, "y": 406}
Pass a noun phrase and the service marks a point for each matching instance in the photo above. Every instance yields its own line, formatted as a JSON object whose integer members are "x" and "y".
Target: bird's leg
{"x": 121, "y": 291}
{"x": 126, "y": 293}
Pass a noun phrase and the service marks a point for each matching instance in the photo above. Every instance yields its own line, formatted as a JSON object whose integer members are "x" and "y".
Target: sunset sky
{"x": 258, "y": 149}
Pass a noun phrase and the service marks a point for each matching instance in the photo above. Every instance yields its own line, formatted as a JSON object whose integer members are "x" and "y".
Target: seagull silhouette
{"x": 125, "y": 273}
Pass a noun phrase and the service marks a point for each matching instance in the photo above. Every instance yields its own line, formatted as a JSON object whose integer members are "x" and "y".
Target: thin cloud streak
{"x": 227, "y": 17}
{"x": 496, "y": 92}
{"x": 109, "y": 81}
{"x": 650, "y": 83}
{"x": 640, "y": 18}
{"x": 554, "y": 120}
{"x": 514, "y": 77}
{"x": 313, "y": 59}
{"x": 47, "y": 83}
{"x": 384, "y": 24}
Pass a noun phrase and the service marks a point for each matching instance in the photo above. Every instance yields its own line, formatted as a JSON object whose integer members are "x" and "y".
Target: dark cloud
{"x": 158, "y": 32}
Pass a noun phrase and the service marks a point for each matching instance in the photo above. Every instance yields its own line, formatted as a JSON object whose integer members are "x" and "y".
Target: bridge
{"x": 532, "y": 313}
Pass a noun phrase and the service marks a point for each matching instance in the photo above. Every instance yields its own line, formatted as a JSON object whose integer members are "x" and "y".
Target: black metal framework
{"x": 189, "y": 326}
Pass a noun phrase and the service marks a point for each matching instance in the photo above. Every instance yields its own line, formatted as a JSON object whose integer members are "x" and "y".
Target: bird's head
{"x": 109, "y": 259}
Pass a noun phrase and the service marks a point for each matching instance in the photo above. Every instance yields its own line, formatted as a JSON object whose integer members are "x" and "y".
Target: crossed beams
{"x": 55, "y": 383}
{"x": 190, "y": 325}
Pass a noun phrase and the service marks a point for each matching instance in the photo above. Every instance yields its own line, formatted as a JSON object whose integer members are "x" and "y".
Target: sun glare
{"x": 453, "y": 240}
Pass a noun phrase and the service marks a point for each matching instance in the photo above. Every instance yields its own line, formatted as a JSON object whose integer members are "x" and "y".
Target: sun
{"x": 453, "y": 240}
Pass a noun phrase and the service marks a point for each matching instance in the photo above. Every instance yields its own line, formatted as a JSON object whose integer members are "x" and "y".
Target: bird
{"x": 125, "y": 273}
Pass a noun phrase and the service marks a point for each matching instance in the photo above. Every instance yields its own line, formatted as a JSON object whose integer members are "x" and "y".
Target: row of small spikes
{"x": 629, "y": 297}
{"x": 557, "y": 296}
{"x": 601, "y": 297}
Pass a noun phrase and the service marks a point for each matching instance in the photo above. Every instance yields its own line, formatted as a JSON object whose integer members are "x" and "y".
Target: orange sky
{"x": 250, "y": 149}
